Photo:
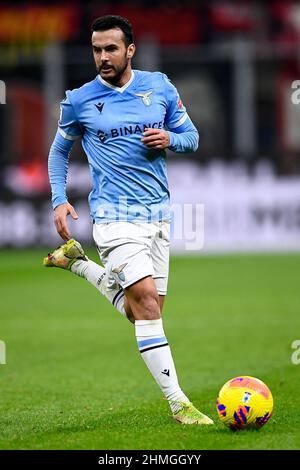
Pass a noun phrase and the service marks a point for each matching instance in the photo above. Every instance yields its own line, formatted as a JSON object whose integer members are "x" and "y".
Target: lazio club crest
{"x": 145, "y": 97}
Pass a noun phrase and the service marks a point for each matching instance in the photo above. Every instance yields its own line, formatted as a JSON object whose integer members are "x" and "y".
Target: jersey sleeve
{"x": 176, "y": 113}
{"x": 68, "y": 125}
{"x": 58, "y": 168}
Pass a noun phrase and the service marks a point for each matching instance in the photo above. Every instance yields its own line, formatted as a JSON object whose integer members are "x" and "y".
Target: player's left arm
{"x": 184, "y": 138}
{"x": 181, "y": 136}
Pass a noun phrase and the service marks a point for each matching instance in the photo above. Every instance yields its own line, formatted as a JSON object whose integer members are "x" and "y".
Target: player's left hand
{"x": 156, "y": 138}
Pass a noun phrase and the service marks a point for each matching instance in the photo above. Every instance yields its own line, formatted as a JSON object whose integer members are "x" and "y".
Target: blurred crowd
{"x": 232, "y": 61}
{"x": 171, "y": 22}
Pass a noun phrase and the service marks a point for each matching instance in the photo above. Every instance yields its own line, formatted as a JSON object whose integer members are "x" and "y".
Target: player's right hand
{"x": 60, "y": 219}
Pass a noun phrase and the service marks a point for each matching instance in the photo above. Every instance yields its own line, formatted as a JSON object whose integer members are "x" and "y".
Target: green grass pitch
{"x": 74, "y": 378}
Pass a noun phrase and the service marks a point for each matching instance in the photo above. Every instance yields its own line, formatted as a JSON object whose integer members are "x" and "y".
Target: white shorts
{"x": 132, "y": 251}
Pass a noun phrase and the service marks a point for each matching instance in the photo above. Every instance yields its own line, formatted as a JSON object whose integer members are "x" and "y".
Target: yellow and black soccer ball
{"x": 244, "y": 403}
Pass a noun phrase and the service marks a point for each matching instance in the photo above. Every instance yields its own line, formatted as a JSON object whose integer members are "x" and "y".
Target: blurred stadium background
{"x": 233, "y": 62}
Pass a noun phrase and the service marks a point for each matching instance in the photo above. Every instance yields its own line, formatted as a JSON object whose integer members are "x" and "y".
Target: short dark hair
{"x": 113, "y": 21}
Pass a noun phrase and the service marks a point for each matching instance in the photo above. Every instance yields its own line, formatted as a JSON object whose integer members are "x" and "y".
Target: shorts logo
{"x": 119, "y": 272}
{"x": 145, "y": 97}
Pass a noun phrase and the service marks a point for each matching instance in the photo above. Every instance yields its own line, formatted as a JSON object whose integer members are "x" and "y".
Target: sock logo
{"x": 100, "y": 279}
{"x": 166, "y": 372}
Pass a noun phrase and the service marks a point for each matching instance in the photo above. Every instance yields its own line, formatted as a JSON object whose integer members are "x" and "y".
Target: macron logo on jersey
{"x": 99, "y": 106}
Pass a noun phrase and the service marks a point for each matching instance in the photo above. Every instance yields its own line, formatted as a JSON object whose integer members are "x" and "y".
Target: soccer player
{"x": 126, "y": 119}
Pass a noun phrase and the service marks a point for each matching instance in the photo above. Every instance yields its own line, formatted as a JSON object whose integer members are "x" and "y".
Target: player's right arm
{"x": 68, "y": 131}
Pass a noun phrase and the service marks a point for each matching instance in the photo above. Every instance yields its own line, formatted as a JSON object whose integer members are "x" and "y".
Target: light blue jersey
{"x": 129, "y": 179}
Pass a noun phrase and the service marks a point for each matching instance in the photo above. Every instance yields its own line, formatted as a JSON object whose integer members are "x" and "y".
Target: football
{"x": 245, "y": 402}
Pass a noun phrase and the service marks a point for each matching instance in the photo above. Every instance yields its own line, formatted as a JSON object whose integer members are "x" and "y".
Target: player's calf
{"x": 143, "y": 299}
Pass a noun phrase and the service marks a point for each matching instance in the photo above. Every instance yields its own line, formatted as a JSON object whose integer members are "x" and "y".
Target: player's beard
{"x": 119, "y": 71}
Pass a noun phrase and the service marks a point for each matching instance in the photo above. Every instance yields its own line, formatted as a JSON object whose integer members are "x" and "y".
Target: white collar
{"x": 117, "y": 88}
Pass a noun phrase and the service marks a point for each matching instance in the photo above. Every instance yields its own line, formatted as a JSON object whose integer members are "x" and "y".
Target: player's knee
{"x": 149, "y": 306}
